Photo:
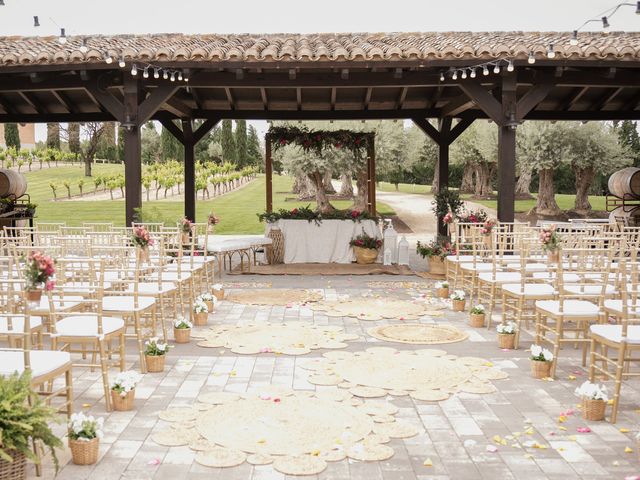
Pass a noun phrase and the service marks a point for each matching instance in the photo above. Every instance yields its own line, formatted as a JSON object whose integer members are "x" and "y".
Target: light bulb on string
{"x": 145, "y": 72}
{"x": 180, "y": 76}
{"x": 464, "y": 74}
{"x": 121, "y": 62}
{"x": 134, "y": 70}
{"x": 574, "y": 38}
{"x": 156, "y": 73}
{"x": 441, "y": 77}
{"x": 36, "y": 21}
{"x": 473, "y": 73}
{"x": 455, "y": 75}
{"x": 550, "y": 51}
{"x": 62, "y": 39}
{"x": 605, "y": 25}
{"x": 83, "y": 47}
{"x": 510, "y": 66}
{"x": 638, "y": 8}
{"x": 165, "y": 74}
{"x": 485, "y": 70}
{"x": 108, "y": 59}
{"x": 173, "y": 76}
{"x": 532, "y": 59}
{"x": 186, "y": 78}
{"x": 496, "y": 69}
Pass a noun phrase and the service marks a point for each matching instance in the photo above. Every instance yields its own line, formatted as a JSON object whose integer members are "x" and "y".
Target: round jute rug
{"x": 291, "y": 338}
{"x": 418, "y": 333}
{"x": 380, "y": 308}
{"x": 274, "y": 297}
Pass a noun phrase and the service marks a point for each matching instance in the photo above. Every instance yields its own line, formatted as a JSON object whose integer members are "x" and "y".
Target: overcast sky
{"x": 274, "y": 16}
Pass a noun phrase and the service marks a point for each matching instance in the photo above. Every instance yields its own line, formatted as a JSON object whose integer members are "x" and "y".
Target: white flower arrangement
{"x": 200, "y": 307}
{"x": 592, "y": 391}
{"x": 540, "y": 354}
{"x": 478, "y": 309}
{"x": 508, "y": 328}
{"x": 125, "y": 382}
{"x": 85, "y": 428}
{"x": 217, "y": 286}
{"x": 154, "y": 347}
{"x": 458, "y": 295}
{"x": 182, "y": 323}
{"x": 442, "y": 284}
{"x": 207, "y": 297}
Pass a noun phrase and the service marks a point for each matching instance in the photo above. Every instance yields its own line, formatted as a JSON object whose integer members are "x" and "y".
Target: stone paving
{"x": 462, "y": 437}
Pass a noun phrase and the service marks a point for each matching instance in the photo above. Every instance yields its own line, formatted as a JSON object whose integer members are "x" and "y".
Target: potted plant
{"x": 85, "y": 433}
{"x": 123, "y": 390}
{"x": 365, "y": 248}
{"x": 458, "y": 300}
{"x": 182, "y": 330}
{"x": 212, "y": 221}
{"x": 541, "y": 359}
{"x": 39, "y": 268}
{"x": 200, "y": 313}
{"x": 154, "y": 353}
{"x": 141, "y": 238}
{"x": 435, "y": 252}
{"x": 186, "y": 226}
{"x": 209, "y": 300}
{"x": 442, "y": 289}
{"x": 507, "y": 335}
{"x": 594, "y": 400}
{"x": 218, "y": 291}
{"x": 476, "y": 314}
{"x": 22, "y": 422}
{"x": 550, "y": 243}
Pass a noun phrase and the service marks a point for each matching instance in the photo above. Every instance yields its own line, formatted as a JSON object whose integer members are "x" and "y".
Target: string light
{"x": 134, "y": 70}
{"x": 165, "y": 75}
{"x": 605, "y": 25}
{"x": 532, "y": 58}
{"x": 496, "y": 69}
{"x": 108, "y": 59}
{"x": 485, "y": 70}
{"x": 464, "y": 74}
{"x": 455, "y": 75}
{"x": 180, "y": 76}
{"x": 441, "y": 76}
{"x": 473, "y": 73}
{"x": 574, "y": 38}
{"x": 36, "y": 20}
{"x": 145, "y": 72}
{"x": 84, "y": 48}
{"x": 121, "y": 62}
{"x": 550, "y": 52}
{"x": 603, "y": 18}
{"x": 62, "y": 39}
{"x": 156, "y": 73}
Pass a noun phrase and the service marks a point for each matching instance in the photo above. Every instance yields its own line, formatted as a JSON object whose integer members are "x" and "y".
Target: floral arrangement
{"x": 488, "y": 225}
{"x": 200, "y": 307}
{"x": 444, "y": 284}
{"x": 473, "y": 216}
{"x": 460, "y": 295}
{"x": 125, "y": 382}
{"x": 85, "y": 428}
{"x": 310, "y": 215}
{"x": 549, "y": 239}
{"x": 38, "y": 271}
{"x": 447, "y": 219}
{"x": 154, "y": 347}
{"x": 508, "y": 328}
{"x": 217, "y": 286}
{"x": 477, "y": 310}
{"x": 186, "y": 225}
{"x": 365, "y": 241}
{"x": 540, "y": 354}
{"x": 141, "y": 237}
{"x": 207, "y": 297}
{"x": 319, "y": 140}
{"x": 212, "y": 219}
{"x": 435, "y": 248}
{"x": 592, "y": 391}
{"x": 182, "y": 323}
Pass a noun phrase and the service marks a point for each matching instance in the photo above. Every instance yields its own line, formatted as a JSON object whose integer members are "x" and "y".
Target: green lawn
{"x": 403, "y": 187}
{"x": 237, "y": 210}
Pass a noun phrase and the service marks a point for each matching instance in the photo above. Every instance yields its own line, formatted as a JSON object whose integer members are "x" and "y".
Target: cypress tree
{"x": 241, "y": 143}
{"x": 74, "y": 138}
{"x": 107, "y": 148}
{"x": 11, "y": 135}
{"x": 171, "y": 148}
{"x": 228, "y": 143}
{"x": 629, "y": 138}
{"x": 254, "y": 150}
{"x": 53, "y": 135}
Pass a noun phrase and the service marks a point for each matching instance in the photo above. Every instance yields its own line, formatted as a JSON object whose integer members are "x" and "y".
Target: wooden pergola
{"x": 321, "y": 77}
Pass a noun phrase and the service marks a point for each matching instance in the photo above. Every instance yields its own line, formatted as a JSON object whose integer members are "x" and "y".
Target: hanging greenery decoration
{"x": 319, "y": 140}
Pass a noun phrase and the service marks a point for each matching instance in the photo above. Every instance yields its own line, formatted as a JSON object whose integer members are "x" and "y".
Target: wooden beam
{"x": 197, "y": 98}
{"x": 367, "y": 98}
{"x": 265, "y": 99}
{"x": 371, "y": 176}
{"x": 459, "y": 129}
{"x": 177, "y": 107}
{"x": 334, "y": 94}
{"x": 189, "y": 170}
{"x": 299, "y": 97}
{"x": 507, "y": 151}
{"x": 457, "y": 106}
{"x": 173, "y": 129}
{"x": 132, "y": 150}
{"x": 484, "y": 100}
{"x": 428, "y": 129}
{"x": 268, "y": 171}
{"x": 204, "y": 128}
{"x": 435, "y": 98}
{"x": 232, "y": 104}
{"x": 153, "y": 102}
{"x": 605, "y": 99}
{"x": 571, "y": 99}
{"x": 402, "y": 97}
{"x": 108, "y": 101}
{"x": 33, "y": 102}
{"x": 7, "y": 107}
{"x": 64, "y": 101}
{"x": 531, "y": 99}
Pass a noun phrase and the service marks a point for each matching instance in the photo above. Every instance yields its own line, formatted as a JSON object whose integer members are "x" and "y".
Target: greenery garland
{"x": 306, "y": 213}
{"x": 319, "y": 140}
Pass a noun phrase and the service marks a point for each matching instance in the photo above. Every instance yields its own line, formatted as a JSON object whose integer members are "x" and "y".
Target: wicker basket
{"x": 593, "y": 409}
{"x": 442, "y": 292}
{"x": 476, "y": 320}
{"x": 16, "y": 470}
{"x": 155, "y": 363}
{"x": 34, "y": 296}
{"x": 365, "y": 256}
{"x": 553, "y": 256}
{"x": 275, "y": 251}
{"x": 182, "y": 335}
{"x": 219, "y": 294}
{"x": 123, "y": 404}
{"x": 458, "y": 305}
{"x": 436, "y": 266}
{"x": 84, "y": 453}
{"x": 507, "y": 340}
{"x": 540, "y": 369}
{"x": 209, "y": 305}
{"x": 200, "y": 319}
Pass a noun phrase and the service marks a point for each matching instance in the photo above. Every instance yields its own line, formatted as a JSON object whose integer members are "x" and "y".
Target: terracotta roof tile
{"x": 317, "y": 47}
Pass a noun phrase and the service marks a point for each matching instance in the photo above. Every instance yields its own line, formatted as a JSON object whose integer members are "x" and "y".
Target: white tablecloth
{"x": 328, "y": 242}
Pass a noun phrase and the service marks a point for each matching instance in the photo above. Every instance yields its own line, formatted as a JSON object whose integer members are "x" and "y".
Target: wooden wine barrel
{"x": 630, "y": 218}
{"x": 625, "y": 183}
{"x": 12, "y": 184}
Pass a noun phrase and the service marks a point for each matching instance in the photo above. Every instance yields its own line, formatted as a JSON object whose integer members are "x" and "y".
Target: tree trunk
{"x": 466, "y": 185}
{"x": 361, "y": 198}
{"x": 584, "y": 179}
{"x": 328, "y": 186}
{"x": 324, "y": 206}
{"x": 483, "y": 180}
{"x": 346, "y": 185}
{"x": 546, "y": 203}
{"x": 87, "y": 166}
{"x": 307, "y": 189}
{"x": 524, "y": 184}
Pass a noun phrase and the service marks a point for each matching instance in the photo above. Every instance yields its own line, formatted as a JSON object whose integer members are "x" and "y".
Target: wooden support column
{"x": 507, "y": 151}
{"x": 189, "y": 171}
{"x": 132, "y": 150}
{"x": 268, "y": 170}
{"x": 371, "y": 176}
